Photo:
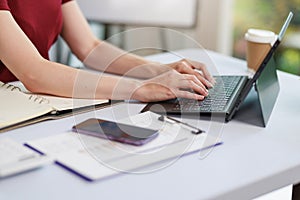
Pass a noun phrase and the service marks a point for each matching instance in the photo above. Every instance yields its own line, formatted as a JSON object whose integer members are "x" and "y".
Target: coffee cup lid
{"x": 260, "y": 36}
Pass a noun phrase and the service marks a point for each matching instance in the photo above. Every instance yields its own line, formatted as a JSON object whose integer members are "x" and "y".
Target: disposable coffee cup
{"x": 259, "y": 43}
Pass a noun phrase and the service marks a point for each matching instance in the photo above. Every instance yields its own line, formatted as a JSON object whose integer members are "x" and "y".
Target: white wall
{"x": 215, "y": 25}
{"x": 213, "y": 29}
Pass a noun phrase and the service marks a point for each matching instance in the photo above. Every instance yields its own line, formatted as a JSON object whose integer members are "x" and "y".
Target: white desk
{"x": 252, "y": 161}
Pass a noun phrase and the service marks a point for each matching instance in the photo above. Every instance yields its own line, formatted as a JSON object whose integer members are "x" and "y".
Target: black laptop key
{"x": 217, "y": 99}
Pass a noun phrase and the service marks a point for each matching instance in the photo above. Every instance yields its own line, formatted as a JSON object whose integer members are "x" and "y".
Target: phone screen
{"x": 117, "y": 132}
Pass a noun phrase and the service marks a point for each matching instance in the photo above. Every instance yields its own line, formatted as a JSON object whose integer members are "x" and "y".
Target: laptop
{"x": 226, "y": 97}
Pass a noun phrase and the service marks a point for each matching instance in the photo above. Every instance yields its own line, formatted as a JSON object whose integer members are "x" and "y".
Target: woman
{"x": 29, "y": 28}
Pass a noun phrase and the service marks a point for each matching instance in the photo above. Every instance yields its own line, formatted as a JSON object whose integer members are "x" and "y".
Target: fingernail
{"x": 205, "y": 92}
{"x": 200, "y": 97}
{"x": 209, "y": 84}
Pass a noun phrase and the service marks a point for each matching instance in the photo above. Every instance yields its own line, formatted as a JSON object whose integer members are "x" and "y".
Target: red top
{"x": 40, "y": 20}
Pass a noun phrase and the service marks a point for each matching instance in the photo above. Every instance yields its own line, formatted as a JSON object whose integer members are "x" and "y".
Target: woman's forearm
{"x": 99, "y": 86}
{"x": 70, "y": 82}
{"x": 101, "y": 55}
{"x": 108, "y": 58}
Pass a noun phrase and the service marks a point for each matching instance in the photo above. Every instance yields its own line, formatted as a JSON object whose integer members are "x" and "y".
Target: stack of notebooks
{"x": 19, "y": 107}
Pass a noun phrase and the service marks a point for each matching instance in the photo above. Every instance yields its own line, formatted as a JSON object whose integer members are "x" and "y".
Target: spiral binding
{"x": 38, "y": 99}
{"x": 33, "y": 97}
{"x": 10, "y": 87}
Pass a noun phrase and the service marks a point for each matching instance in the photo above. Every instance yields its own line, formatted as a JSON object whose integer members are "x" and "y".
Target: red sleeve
{"x": 63, "y": 1}
{"x": 4, "y": 5}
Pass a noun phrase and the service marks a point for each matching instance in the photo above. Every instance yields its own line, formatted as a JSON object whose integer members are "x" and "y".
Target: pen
{"x": 167, "y": 118}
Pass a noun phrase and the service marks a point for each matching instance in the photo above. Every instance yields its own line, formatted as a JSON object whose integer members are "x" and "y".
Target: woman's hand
{"x": 169, "y": 85}
{"x": 195, "y": 68}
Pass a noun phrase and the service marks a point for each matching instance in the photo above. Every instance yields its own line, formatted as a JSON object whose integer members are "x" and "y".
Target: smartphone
{"x": 128, "y": 134}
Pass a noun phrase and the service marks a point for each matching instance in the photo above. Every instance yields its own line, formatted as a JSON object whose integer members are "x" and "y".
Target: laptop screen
{"x": 267, "y": 85}
{"x": 274, "y": 47}
{"x": 269, "y": 55}
{"x": 285, "y": 26}
{"x": 265, "y": 79}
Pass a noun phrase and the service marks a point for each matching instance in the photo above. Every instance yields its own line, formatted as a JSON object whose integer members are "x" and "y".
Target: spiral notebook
{"x": 19, "y": 108}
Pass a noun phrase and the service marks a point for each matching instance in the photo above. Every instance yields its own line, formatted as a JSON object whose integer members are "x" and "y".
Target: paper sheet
{"x": 96, "y": 158}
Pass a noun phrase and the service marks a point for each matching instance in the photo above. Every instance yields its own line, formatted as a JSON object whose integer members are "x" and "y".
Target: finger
{"x": 192, "y": 82}
{"x": 206, "y": 82}
{"x": 189, "y": 70}
{"x": 189, "y": 95}
{"x": 203, "y": 69}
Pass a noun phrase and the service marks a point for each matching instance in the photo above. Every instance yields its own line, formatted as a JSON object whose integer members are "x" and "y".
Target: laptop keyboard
{"x": 217, "y": 99}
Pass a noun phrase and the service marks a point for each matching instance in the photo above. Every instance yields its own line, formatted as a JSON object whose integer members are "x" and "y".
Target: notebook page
{"x": 62, "y": 103}
{"x": 68, "y": 150}
{"x": 96, "y": 158}
{"x": 16, "y": 107}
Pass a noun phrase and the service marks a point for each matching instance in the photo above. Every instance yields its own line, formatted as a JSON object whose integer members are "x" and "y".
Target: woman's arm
{"x": 105, "y": 57}
{"x": 42, "y": 76}
{"x": 82, "y": 42}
